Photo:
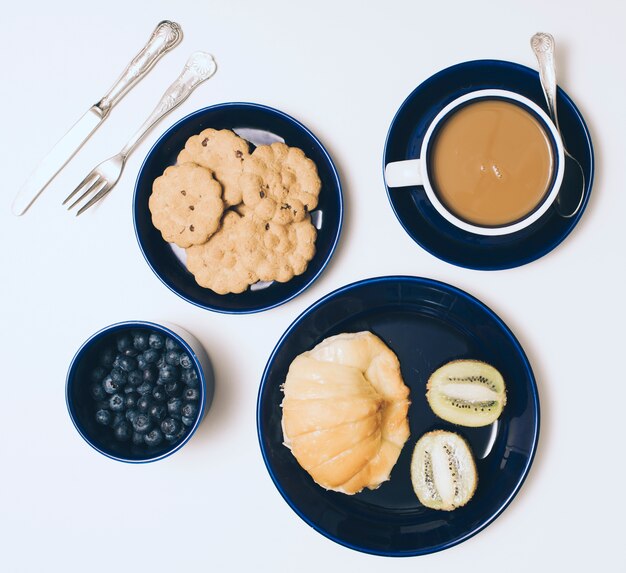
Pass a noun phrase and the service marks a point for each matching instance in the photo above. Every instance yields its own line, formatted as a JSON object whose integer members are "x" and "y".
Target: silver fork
{"x": 199, "y": 67}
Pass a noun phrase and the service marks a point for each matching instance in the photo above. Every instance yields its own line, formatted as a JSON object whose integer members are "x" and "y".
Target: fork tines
{"x": 93, "y": 183}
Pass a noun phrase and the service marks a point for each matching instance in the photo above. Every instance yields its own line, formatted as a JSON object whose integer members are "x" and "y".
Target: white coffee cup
{"x": 411, "y": 172}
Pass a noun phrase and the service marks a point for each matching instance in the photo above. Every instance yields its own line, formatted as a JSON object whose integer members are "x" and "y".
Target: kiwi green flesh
{"x": 467, "y": 393}
{"x": 464, "y": 413}
{"x": 443, "y": 472}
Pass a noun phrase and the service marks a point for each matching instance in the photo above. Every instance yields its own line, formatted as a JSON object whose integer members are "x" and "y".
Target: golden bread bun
{"x": 345, "y": 412}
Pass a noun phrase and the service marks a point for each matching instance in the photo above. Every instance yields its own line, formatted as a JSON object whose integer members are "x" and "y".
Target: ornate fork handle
{"x": 199, "y": 67}
{"x": 166, "y": 36}
{"x": 543, "y": 47}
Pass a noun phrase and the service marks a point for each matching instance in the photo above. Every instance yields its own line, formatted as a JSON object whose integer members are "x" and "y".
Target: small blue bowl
{"x": 80, "y": 404}
{"x": 267, "y": 125}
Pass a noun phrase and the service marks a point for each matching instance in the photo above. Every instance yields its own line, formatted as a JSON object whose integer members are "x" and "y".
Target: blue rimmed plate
{"x": 258, "y": 124}
{"x": 413, "y": 209}
{"x": 426, "y": 323}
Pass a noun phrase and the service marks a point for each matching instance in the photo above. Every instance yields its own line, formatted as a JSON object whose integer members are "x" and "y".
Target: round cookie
{"x": 278, "y": 252}
{"x": 186, "y": 204}
{"x": 280, "y": 183}
{"x": 217, "y": 264}
{"x": 222, "y": 152}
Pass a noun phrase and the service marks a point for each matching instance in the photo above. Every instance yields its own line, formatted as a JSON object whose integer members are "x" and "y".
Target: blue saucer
{"x": 426, "y": 323}
{"x": 410, "y": 204}
{"x": 263, "y": 125}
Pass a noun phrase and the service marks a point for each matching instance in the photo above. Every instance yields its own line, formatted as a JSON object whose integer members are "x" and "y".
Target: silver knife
{"x": 166, "y": 36}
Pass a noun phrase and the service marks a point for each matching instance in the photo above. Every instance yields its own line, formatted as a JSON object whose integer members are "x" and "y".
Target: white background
{"x": 342, "y": 68}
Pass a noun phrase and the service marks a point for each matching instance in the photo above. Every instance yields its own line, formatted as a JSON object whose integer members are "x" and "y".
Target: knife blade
{"x": 166, "y": 36}
{"x": 56, "y": 159}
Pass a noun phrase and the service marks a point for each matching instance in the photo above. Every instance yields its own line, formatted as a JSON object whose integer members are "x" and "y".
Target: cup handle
{"x": 404, "y": 173}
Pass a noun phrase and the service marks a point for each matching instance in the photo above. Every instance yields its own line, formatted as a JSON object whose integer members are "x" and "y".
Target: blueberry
{"x": 153, "y": 438}
{"x": 116, "y": 403}
{"x": 138, "y": 438}
{"x": 107, "y": 357}
{"x": 188, "y": 421}
{"x": 151, "y": 356}
{"x": 182, "y": 432}
{"x": 156, "y": 341}
{"x": 158, "y": 412}
{"x": 190, "y": 377}
{"x": 144, "y": 388}
{"x": 122, "y": 431}
{"x": 142, "y": 423}
{"x": 185, "y": 360}
{"x": 117, "y": 418}
{"x": 98, "y": 373}
{"x": 141, "y": 341}
{"x": 119, "y": 375}
{"x": 124, "y": 342}
{"x": 97, "y": 392}
{"x": 110, "y": 386}
{"x": 141, "y": 362}
{"x": 170, "y": 426}
{"x": 103, "y": 417}
{"x": 144, "y": 403}
{"x": 168, "y": 373}
{"x": 191, "y": 394}
{"x": 161, "y": 361}
{"x": 159, "y": 394}
{"x": 130, "y": 400}
{"x": 173, "y": 389}
{"x": 134, "y": 378}
{"x": 174, "y": 406}
{"x": 189, "y": 410}
{"x": 128, "y": 389}
{"x": 172, "y": 357}
{"x": 128, "y": 363}
{"x": 150, "y": 374}
{"x": 173, "y": 438}
{"x": 116, "y": 362}
{"x": 171, "y": 344}
{"x": 131, "y": 415}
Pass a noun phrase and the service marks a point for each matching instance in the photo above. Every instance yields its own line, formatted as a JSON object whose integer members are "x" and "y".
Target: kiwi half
{"x": 443, "y": 472}
{"x": 467, "y": 392}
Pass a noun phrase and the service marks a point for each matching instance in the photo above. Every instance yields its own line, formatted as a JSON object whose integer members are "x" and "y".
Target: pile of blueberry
{"x": 145, "y": 389}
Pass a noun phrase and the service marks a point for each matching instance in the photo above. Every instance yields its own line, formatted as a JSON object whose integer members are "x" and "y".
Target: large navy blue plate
{"x": 413, "y": 209}
{"x": 271, "y": 124}
{"x": 426, "y": 323}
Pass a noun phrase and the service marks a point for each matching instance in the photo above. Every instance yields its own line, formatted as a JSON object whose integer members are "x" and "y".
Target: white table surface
{"x": 341, "y": 68}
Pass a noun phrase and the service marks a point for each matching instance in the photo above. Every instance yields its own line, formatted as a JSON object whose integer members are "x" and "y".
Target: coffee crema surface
{"x": 491, "y": 163}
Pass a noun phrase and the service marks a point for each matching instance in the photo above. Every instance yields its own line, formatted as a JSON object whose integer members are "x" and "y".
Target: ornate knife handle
{"x": 166, "y": 36}
{"x": 543, "y": 47}
{"x": 199, "y": 67}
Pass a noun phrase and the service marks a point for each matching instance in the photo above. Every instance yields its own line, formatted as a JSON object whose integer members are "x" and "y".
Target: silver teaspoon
{"x": 572, "y": 192}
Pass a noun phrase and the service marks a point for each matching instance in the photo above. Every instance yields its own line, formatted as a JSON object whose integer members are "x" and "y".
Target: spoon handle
{"x": 199, "y": 67}
{"x": 543, "y": 47}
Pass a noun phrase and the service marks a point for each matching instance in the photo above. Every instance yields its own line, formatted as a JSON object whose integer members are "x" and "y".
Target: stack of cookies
{"x": 242, "y": 217}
